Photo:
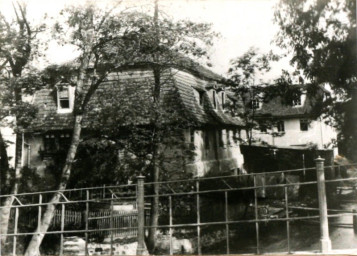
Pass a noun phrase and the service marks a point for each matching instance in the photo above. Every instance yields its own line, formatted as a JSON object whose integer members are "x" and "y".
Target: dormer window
{"x": 200, "y": 98}
{"x": 199, "y": 95}
{"x": 65, "y": 99}
{"x": 223, "y": 99}
{"x": 214, "y": 99}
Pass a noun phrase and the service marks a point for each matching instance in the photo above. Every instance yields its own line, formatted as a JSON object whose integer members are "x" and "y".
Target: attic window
{"x": 65, "y": 98}
{"x": 199, "y": 95}
{"x": 214, "y": 99}
{"x": 200, "y": 98}
{"x": 223, "y": 100}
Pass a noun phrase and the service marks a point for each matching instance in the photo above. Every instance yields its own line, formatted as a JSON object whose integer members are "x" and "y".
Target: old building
{"x": 295, "y": 123}
{"x": 201, "y": 95}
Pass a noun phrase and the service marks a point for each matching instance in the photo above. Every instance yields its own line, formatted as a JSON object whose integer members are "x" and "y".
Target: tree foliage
{"x": 243, "y": 75}
{"x": 321, "y": 35}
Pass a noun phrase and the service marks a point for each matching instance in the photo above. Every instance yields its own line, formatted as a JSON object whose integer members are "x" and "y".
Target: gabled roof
{"x": 276, "y": 107}
{"x": 178, "y": 84}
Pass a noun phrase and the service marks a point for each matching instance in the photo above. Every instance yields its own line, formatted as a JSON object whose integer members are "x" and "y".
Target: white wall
{"x": 216, "y": 157}
{"x": 9, "y": 135}
{"x": 318, "y": 133}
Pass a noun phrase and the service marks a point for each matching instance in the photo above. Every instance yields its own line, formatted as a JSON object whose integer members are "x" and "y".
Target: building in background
{"x": 295, "y": 123}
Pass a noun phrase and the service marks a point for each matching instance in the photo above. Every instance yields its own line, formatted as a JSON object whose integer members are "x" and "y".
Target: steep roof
{"x": 180, "y": 85}
{"x": 277, "y": 108}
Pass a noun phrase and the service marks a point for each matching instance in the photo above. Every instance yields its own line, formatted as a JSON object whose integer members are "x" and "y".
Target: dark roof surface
{"x": 276, "y": 107}
{"x": 179, "y": 84}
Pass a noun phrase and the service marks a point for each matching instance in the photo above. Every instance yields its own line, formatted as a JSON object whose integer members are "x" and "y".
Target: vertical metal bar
{"x": 170, "y": 221}
{"x": 62, "y": 227}
{"x": 325, "y": 241}
{"x": 87, "y": 223}
{"x": 287, "y": 217}
{"x": 15, "y": 231}
{"x": 256, "y": 214}
{"x": 0, "y": 244}
{"x": 111, "y": 225}
{"x": 39, "y": 211}
{"x": 141, "y": 216}
{"x": 354, "y": 220}
{"x": 303, "y": 166}
{"x": 199, "y": 252}
{"x": 104, "y": 191}
{"x": 227, "y": 219}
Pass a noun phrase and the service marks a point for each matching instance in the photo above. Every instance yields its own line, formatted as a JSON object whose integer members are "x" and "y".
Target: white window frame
{"x": 70, "y": 90}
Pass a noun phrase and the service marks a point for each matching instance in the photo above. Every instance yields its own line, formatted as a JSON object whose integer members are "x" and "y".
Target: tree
{"x": 243, "y": 73}
{"x": 106, "y": 43}
{"x": 165, "y": 43}
{"x": 18, "y": 46}
{"x": 321, "y": 35}
{"x": 94, "y": 33}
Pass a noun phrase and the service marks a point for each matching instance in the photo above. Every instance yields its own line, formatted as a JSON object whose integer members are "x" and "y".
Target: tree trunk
{"x": 154, "y": 211}
{"x": 5, "y": 211}
{"x": 4, "y": 168}
{"x": 33, "y": 248}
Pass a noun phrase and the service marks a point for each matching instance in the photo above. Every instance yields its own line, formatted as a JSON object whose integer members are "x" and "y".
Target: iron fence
{"x": 199, "y": 215}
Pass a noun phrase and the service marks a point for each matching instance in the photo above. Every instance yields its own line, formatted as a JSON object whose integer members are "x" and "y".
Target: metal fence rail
{"x": 90, "y": 212}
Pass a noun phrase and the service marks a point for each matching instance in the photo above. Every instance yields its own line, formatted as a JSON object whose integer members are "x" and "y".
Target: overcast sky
{"x": 241, "y": 23}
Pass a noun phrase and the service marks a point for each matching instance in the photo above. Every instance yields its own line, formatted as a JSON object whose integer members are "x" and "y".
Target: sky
{"x": 241, "y": 24}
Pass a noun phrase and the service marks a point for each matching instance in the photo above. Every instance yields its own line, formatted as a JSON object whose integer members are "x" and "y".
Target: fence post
{"x": 325, "y": 241}
{"x": 354, "y": 211}
{"x": 141, "y": 249}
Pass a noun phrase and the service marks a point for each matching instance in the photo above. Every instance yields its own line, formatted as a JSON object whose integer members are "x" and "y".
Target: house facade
{"x": 201, "y": 96}
{"x": 295, "y": 124}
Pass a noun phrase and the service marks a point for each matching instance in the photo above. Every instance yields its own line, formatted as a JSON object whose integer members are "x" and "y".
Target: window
{"x": 50, "y": 143}
{"x": 200, "y": 97}
{"x": 228, "y": 133}
{"x": 255, "y": 104}
{"x": 297, "y": 100}
{"x": 304, "y": 125}
{"x": 56, "y": 143}
{"x": 206, "y": 140}
{"x": 192, "y": 136}
{"x": 280, "y": 126}
{"x": 223, "y": 100}
{"x": 214, "y": 99}
{"x": 236, "y": 136}
{"x": 220, "y": 138}
{"x": 63, "y": 98}
{"x": 64, "y": 141}
{"x": 263, "y": 128}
